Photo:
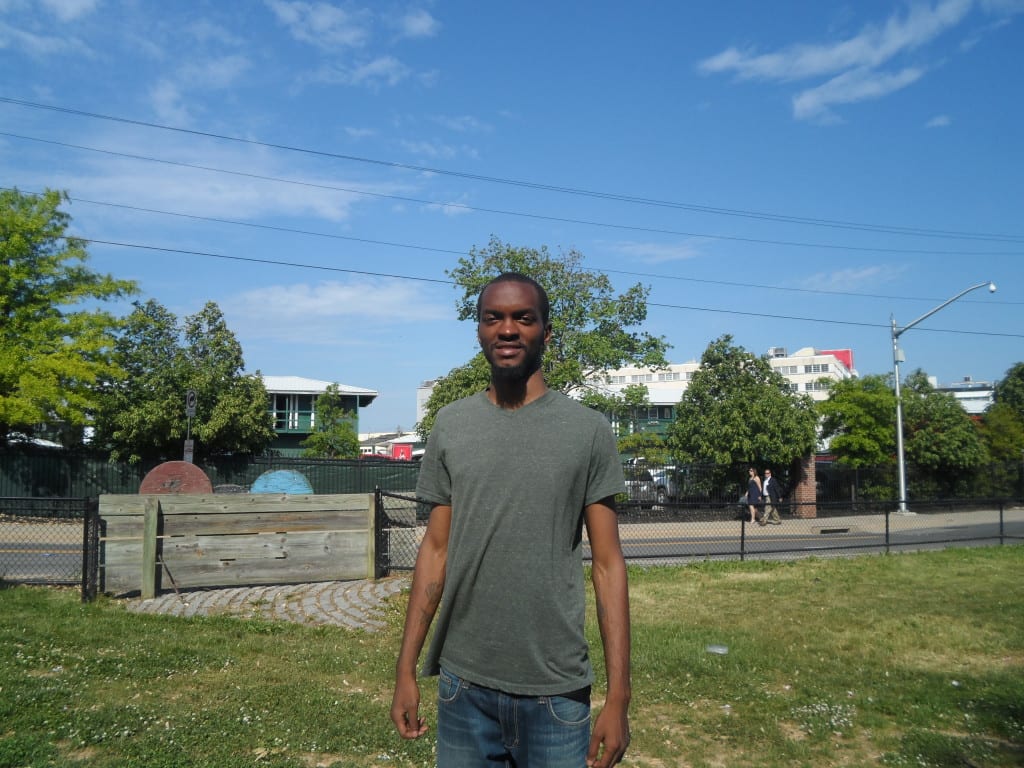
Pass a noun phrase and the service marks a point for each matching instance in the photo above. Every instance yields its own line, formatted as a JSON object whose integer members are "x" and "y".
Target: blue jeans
{"x": 480, "y": 727}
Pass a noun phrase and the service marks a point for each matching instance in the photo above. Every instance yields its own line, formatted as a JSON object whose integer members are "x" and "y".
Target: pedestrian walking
{"x": 753, "y": 493}
{"x": 771, "y": 492}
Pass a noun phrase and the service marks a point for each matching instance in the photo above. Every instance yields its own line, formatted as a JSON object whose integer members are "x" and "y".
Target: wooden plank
{"x": 229, "y": 540}
{"x": 121, "y": 504}
{"x": 323, "y": 566}
{"x": 253, "y": 522}
{"x": 151, "y": 519}
{"x": 263, "y": 547}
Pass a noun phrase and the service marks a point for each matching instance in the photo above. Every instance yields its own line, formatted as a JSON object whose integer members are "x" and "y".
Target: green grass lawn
{"x": 898, "y": 660}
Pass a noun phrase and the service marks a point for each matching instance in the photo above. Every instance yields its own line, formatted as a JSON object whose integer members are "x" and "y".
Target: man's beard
{"x": 509, "y": 382}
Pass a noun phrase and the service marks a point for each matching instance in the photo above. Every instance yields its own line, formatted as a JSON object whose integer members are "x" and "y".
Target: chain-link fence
{"x": 670, "y": 533}
{"x": 50, "y": 541}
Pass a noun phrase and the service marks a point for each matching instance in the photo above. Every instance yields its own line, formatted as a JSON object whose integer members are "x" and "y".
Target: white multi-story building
{"x": 975, "y": 397}
{"x": 804, "y": 370}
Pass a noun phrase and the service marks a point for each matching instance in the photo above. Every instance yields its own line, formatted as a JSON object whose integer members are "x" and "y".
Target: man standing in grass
{"x": 513, "y": 474}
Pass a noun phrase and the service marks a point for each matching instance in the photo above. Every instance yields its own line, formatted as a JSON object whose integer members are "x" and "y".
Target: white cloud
{"x": 872, "y": 47}
{"x": 461, "y": 123}
{"x": 452, "y": 208}
{"x": 218, "y": 73}
{"x": 852, "y": 279}
{"x": 385, "y": 70}
{"x": 429, "y": 149}
{"x": 657, "y": 253}
{"x": 168, "y": 104}
{"x": 317, "y": 312}
{"x": 851, "y": 87}
{"x": 939, "y": 121}
{"x": 359, "y": 133}
{"x": 417, "y": 23}
{"x": 193, "y": 191}
{"x": 40, "y": 45}
{"x": 322, "y": 24}
{"x": 851, "y": 64}
{"x": 69, "y": 10}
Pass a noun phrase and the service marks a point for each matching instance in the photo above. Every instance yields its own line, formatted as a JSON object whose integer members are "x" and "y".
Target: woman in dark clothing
{"x": 753, "y": 493}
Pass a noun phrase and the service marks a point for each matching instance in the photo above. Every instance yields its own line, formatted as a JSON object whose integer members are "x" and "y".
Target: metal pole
{"x": 897, "y": 358}
{"x": 900, "y": 460}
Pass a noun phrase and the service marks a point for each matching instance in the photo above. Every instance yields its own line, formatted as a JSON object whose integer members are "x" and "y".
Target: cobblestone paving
{"x": 351, "y": 604}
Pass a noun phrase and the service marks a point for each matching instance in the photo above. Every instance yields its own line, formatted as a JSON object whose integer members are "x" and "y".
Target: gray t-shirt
{"x": 512, "y": 611}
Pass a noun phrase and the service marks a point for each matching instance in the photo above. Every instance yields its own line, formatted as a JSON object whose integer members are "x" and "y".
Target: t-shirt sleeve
{"x": 605, "y": 476}
{"x": 434, "y": 484}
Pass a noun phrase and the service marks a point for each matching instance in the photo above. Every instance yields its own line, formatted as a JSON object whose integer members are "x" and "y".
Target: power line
{"x": 521, "y": 214}
{"x": 617, "y": 197}
{"x": 392, "y": 276}
{"x": 412, "y": 246}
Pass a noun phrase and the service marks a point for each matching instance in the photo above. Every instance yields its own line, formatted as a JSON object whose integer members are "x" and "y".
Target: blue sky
{"x": 789, "y": 173}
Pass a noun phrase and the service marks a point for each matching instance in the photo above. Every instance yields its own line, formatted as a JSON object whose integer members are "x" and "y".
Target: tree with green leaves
{"x": 737, "y": 409}
{"x": 859, "y": 421}
{"x": 1002, "y": 431}
{"x": 334, "y": 437}
{"x": 142, "y": 416}
{"x": 53, "y": 350}
{"x": 940, "y": 437}
{"x": 1010, "y": 389}
{"x": 593, "y": 328}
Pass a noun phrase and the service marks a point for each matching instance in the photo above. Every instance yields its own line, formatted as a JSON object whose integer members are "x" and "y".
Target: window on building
{"x": 815, "y": 386}
{"x": 639, "y": 378}
{"x": 617, "y": 379}
{"x": 788, "y": 370}
{"x": 670, "y": 376}
{"x": 816, "y": 368}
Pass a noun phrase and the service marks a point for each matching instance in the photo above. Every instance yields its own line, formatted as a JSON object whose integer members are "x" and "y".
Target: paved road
{"x": 351, "y": 604}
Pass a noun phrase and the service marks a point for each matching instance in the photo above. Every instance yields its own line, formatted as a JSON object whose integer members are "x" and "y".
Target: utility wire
{"x": 649, "y": 275}
{"x": 782, "y": 218}
{"x": 393, "y": 276}
{"x": 521, "y": 214}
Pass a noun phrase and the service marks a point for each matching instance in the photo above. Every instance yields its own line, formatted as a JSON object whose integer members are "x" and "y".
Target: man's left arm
{"x": 611, "y": 592}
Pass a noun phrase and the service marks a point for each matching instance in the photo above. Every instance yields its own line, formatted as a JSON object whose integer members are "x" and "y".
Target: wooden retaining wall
{"x": 153, "y": 543}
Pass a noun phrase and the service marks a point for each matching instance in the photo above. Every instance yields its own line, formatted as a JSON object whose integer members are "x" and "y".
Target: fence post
{"x": 743, "y": 536}
{"x": 380, "y": 569}
{"x": 1001, "y": 533}
{"x": 150, "y": 520}
{"x": 887, "y": 513}
{"x": 90, "y": 549}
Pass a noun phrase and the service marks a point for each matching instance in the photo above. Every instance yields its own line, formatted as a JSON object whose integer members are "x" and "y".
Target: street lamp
{"x": 897, "y": 358}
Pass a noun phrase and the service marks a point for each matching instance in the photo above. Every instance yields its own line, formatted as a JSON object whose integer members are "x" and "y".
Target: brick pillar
{"x": 804, "y": 494}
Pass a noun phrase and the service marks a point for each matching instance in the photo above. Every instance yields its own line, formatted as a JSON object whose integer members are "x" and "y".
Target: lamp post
{"x": 897, "y": 358}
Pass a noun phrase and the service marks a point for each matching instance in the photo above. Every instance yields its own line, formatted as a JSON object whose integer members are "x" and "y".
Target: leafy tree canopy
{"x": 1002, "y": 431}
{"x": 939, "y": 435}
{"x": 1010, "y": 389}
{"x": 335, "y": 437}
{"x": 593, "y": 328}
{"x": 142, "y": 417}
{"x": 737, "y": 409}
{"x": 859, "y": 418}
{"x": 52, "y": 352}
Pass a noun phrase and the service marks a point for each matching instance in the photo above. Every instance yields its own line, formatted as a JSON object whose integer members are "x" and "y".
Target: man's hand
{"x": 405, "y": 708}
{"x": 611, "y": 730}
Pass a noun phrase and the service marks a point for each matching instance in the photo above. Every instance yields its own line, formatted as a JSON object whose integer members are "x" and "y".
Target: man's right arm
{"x": 425, "y": 596}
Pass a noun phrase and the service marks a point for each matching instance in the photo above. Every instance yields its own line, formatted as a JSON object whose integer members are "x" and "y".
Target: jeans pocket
{"x": 568, "y": 711}
{"x": 448, "y": 687}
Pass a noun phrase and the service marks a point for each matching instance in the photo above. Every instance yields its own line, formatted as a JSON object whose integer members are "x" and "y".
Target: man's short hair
{"x": 518, "y": 277}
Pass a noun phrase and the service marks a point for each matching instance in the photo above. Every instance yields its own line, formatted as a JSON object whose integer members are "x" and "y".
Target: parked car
{"x": 640, "y": 487}
{"x": 672, "y": 483}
